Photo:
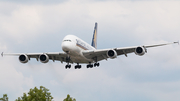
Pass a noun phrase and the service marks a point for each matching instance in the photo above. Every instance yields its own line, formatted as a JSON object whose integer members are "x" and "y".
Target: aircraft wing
{"x": 52, "y": 56}
{"x": 101, "y": 54}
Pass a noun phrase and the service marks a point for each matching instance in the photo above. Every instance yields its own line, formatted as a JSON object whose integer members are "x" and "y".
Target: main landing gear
{"x": 91, "y": 65}
{"x": 77, "y": 66}
{"x": 96, "y": 64}
{"x": 68, "y": 66}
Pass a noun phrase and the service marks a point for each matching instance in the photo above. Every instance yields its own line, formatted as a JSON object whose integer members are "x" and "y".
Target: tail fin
{"x": 94, "y": 40}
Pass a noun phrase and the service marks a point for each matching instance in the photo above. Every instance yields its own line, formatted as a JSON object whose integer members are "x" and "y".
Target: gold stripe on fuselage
{"x": 81, "y": 46}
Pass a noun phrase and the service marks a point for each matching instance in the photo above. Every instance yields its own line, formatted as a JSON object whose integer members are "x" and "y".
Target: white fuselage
{"x": 74, "y": 47}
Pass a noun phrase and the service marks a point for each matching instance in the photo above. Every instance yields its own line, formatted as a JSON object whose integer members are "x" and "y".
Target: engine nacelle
{"x": 23, "y": 58}
{"x": 112, "y": 54}
{"x": 140, "y": 51}
{"x": 44, "y": 58}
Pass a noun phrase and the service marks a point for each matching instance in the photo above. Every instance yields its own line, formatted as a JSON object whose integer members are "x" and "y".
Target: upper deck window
{"x": 68, "y": 40}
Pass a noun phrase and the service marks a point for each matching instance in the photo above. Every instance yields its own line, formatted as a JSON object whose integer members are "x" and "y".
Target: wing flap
{"x": 99, "y": 55}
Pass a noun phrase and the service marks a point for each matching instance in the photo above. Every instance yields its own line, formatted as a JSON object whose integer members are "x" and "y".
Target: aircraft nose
{"x": 66, "y": 46}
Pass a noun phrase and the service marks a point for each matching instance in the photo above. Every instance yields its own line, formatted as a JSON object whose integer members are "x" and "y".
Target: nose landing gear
{"x": 68, "y": 60}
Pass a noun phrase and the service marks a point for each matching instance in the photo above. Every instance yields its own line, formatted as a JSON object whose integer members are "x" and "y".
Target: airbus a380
{"x": 78, "y": 51}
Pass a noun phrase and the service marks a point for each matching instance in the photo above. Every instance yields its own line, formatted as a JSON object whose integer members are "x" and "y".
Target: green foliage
{"x": 36, "y": 94}
{"x": 5, "y": 98}
{"x": 69, "y": 98}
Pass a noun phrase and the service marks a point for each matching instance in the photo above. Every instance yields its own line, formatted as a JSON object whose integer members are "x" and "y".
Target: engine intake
{"x": 140, "y": 51}
{"x": 112, "y": 54}
{"x": 23, "y": 58}
{"x": 44, "y": 58}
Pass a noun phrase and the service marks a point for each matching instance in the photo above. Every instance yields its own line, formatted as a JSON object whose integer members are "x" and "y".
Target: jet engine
{"x": 44, "y": 58}
{"x": 140, "y": 51}
{"x": 112, "y": 54}
{"x": 23, "y": 58}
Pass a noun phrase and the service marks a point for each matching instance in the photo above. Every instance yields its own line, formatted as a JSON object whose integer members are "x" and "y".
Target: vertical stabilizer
{"x": 94, "y": 39}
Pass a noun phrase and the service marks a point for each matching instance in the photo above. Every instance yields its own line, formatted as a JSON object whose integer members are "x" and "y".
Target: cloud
{"x": 54, "y": 83}
{"x": 12, "y": 81}
{"x": 34, "y": 1}
{"x": 30, "y": 26}
{"x": 21, "y": 23}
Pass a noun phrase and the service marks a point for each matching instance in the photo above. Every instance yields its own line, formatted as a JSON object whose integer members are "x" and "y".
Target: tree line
{"x": 35, "y": 94}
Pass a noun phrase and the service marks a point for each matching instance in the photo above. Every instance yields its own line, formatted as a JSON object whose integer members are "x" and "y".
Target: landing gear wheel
{"x": 77, "y": 66}
{"x": 68, "y": 66}
{"x": 96, "y": 64}
{"x": 90, "y": 66}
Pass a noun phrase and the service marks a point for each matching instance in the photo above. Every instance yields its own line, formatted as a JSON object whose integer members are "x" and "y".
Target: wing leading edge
{"x": 95, "y": 55}
{"x": 101, "y": 54}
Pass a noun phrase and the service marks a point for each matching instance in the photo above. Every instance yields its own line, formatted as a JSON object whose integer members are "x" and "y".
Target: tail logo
{"x": 94, "y": 40}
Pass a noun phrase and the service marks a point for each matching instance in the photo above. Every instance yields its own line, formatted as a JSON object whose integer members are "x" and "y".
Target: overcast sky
{"x": 40, "y": 26}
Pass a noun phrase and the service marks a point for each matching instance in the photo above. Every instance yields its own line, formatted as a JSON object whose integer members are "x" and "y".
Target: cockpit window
{"x": 68, "y": 40}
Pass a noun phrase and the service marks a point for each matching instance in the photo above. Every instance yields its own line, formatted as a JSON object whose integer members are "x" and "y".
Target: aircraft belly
{"x": 79, "y": 59}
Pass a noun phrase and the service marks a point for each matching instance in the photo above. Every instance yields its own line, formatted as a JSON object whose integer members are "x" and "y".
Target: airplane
{"x": 78, "y": 51}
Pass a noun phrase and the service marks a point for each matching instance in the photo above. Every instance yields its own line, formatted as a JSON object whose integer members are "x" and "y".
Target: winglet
{"x": 94, "y": 40}
{"x": 2, "y": 54}
{"x": 177, "y": 42}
